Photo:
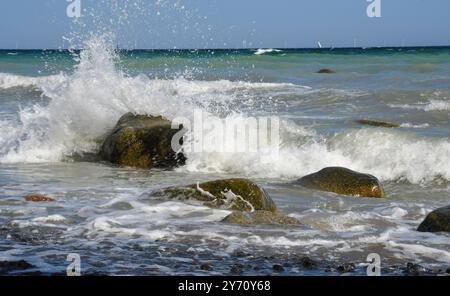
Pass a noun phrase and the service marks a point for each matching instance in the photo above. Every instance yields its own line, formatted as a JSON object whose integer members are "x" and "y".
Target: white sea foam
{"x": 431, "y": 105}
{"x": 416, "y": 249}
{"x": 411, "y": 125}
{"x": 266, "y": 50}
{"x": 347, "y": 230}
{"x": 389, "y": 155}
{"x": 51, "y": 218}
{"x": 160, "y": 219}
{"x": 438, "y": 105}
{"x": 10, "y": 80}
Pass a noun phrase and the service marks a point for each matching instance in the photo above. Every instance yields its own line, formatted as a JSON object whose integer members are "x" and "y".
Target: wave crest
{"x": 262, "y": 51}
{"x": 10, "y": 81}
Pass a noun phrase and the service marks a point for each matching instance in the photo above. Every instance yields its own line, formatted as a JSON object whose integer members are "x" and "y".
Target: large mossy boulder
{"x": 436, "y": 221}
{"x": 142, "y": 141}
{"x": 231, "y": 194}
{"x": 343, "y": 181}
{"x": 260, "y": 217}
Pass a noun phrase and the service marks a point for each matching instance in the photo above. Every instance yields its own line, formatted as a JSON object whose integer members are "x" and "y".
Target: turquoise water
{"x": 56, "y": 106}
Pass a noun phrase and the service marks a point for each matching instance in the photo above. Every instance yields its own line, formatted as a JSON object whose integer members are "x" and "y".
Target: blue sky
{"x": 230, "y": 23}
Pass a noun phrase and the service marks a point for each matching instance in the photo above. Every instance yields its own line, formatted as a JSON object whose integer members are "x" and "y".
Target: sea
{"x": 57, "y": 106}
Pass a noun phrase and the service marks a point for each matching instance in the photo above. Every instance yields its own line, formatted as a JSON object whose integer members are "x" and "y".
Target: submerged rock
{"x": 232, "y": 194}
{"x": 346, "y": 267}
{"x": 38, "y": 198}
{"x": 377, "y": 123}
{"x": 308, "y": 263}
{"x": 12, "y": 266}
{"x": 436, "y": 221}
{"x": 236, "y": 269}
{"x": 142, "y": 141}
{"x": 278, "y": 268}
{"x": 343, "y": 181}
{"x": 326, "y": 71}
{"x": 206, "y": 267}
{"x": 415, "y": 269}
{"x": 260, "y": 217}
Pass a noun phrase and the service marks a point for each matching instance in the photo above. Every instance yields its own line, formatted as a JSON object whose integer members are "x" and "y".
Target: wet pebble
{"x": 236, "y": 269}
{"x": 346, "y": 267}
{"x": 278, "y": 268}
{"x": 206, "y": 267}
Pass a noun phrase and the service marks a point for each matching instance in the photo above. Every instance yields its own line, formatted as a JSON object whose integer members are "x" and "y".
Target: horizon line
{"x": 232, "y": 48}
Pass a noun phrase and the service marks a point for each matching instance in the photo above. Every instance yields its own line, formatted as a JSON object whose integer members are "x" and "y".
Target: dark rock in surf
{"x": 346, "y": 267}
{"x": 13, "y": 266}
{"x": 377, "y": 123}
{"x": 231, "y": 194}
{"x": 436, "y": 221}
{"x": 278, "y": 268}
{"x": 206, "y": 267}
{"x": 308, "y": 263}
{"x": 344, "y": 181}
{"x": 260, "y": 217}
{"x": 236, "y": 269}
{"x": 326, "y": 71}
{"x": 142, "y": 141}
{"x": 415, "y": 269}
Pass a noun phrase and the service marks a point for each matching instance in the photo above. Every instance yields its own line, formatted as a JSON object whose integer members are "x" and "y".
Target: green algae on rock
{"x": 142, "y": 141}
{"x": 377, "y": 123}
{"x": 343, "y": 181}
{"x": 260, "y": 217}
{"x": 436, "y": 221}
{"x": 232, "y": 194}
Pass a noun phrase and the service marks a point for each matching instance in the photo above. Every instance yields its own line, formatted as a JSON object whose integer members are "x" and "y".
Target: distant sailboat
{"x": 319, "y": 45}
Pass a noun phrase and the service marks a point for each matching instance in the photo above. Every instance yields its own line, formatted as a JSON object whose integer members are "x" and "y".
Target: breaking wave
{"x": 10, "y": 81}
{"x": 84, "y": 105}
{"x": 266, "y": 50}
